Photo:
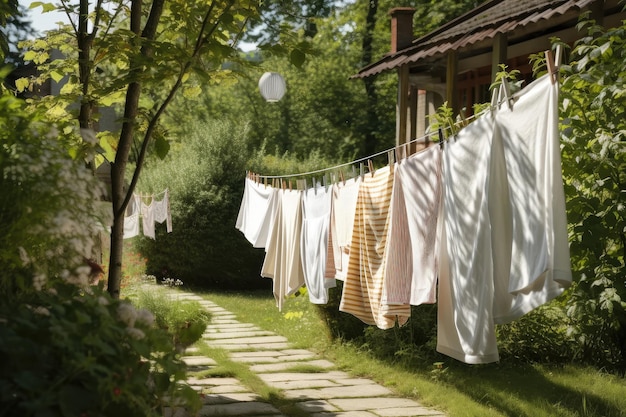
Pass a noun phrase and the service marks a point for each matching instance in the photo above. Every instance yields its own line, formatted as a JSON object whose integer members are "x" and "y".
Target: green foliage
{"x": 538, "y": 337}
{"x": 70, "y": 353}
{"x": 184, "y": 320}
{"x": 594, "y": 161}
{"x": 49, "y": 210}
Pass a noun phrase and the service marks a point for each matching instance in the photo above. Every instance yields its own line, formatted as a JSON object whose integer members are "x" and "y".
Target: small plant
{"x": 184, "y": 320}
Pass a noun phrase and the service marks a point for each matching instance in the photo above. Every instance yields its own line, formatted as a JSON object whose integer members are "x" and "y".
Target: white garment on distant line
{"x": 162, "y": 211}
{"x": 255, "y": 214}
{"x": 147, "y": 214}
{"x": 316, "y": 203}
{"x": 282, "y": 258}
{"x": 411, "y": 276}
{"x": 131, "y": 220}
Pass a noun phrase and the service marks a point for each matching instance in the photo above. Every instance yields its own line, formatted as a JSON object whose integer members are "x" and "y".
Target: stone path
{"x": 325, "y": 392}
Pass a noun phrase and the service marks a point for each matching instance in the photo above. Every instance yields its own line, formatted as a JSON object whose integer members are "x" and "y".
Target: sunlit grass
{"x": 502, "y": 389}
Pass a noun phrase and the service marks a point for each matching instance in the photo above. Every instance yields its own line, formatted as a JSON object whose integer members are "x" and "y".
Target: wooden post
{"x": 402, "y": 105}
{"x": 451, "y": 83}
{"x": 498, "y": 54}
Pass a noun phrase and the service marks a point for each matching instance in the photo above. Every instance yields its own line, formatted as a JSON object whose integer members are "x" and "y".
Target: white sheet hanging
{"x": 316, "y": 203}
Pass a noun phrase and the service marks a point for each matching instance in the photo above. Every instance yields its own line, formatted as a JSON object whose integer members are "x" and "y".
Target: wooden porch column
{"x": 498, "y": 54}
{"x": 402, "y": 105}
{"x": 451, "y": 83}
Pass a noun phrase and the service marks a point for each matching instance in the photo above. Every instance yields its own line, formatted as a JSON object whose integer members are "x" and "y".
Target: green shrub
{"x": 73, "y": 353}
{"x": 206, "y": 180}
{"x": 184, "y": 320}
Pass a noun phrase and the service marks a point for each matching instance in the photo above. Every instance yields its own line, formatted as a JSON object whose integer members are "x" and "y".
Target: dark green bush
{"x": 71, "y": 353}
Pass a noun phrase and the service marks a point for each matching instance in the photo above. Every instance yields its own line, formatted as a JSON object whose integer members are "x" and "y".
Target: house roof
{"x": 482, "y": 23}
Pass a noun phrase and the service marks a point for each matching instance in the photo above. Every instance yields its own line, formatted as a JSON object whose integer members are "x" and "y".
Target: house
{"x": 457, "y": 62}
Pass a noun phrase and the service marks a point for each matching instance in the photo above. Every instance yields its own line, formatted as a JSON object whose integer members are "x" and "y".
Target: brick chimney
{"x": 401, "y": 28}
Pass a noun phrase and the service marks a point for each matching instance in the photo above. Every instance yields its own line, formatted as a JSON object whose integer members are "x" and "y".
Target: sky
{"x": 46, "y": 21}
{"x": 43, "y": 21}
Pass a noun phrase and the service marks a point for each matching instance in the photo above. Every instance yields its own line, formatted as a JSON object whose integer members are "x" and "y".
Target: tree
{"x": 167, "y": 47}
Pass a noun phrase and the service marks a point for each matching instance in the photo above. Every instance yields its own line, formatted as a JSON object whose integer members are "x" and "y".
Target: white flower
{"x": 135, "y": 333}
{"x": 24, "y": 256}
{"x": 127, "y": 314}
{"x": 38, "y": 281}
{"x": 42, "y": 311}
{"x": 146, "y": 317}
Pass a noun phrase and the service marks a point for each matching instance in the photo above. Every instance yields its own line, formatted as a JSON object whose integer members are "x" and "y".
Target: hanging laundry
{"x": 147, "y": 215}
{"x": 364, "y": 285}
{"x": 316, "y": 204}
{"x": 162, "y": 211}
{"x": 344, "y": 199}
{"x": 505, "y": 249}
{"x": 131, "y": 220}
{"x": 282, "y": 258}
{"x": 536, "y": 230}
{"x": 465, "y": 326}
{"x": 256, "y": 213}
{"x": 411, "y": 276}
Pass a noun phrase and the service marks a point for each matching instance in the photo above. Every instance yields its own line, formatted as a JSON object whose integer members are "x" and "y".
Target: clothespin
{"x": 391, "y": 158}
{"x": 440, "y": 131}
{"x": 342, "y": 177}
{"x": 552, "y": 69}
{"x": 361, "y": 169}
{"x": 265, "y": 181}
{"x": 370, "y": 166}
{"x": 325, "y": 178}
{"x": 507, "y": 93}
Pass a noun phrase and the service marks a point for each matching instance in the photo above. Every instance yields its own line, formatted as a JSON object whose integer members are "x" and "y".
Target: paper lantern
{"x": 272, "y": 86}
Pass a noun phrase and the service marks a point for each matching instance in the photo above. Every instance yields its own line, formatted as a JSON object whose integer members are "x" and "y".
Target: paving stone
{"x": 299, "y": 376}
{"x": 355, "y": 404}
{"x": 252, "y": 408}
{"x": 246, "y": 346}
{"x": 316, "y": 406}
{"x": 231, "y": 326}
{"x": 354, "y": 391}
{"x": 227, "y": 398}
{"x": 407, "y": 412}
{"x": 282, "y": 366}
{"x": 258, "y": 340}
{"x": 212, "y": 381}
{"x": 263, "y": 353}
{"x": 344, "y": 414}
{"x": 354, "y": 381}
{"x": 238, "y": 334}
{"x": 225, "y": 389}
{"x": 224, "y": 321}
{"x": 297, "y": 352}
{"x": 198, "y": 361}
{"x": 307, "y": 383}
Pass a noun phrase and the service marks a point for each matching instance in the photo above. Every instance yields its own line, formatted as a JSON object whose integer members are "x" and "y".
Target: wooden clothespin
{"x": 391, "y": 158}
{"x": 440, "y": 132}
{"x": 370, "y": 166}
{"x": 342, "y": 177}
{"x": 361, "y": 170}
{"x": 552, "y": 68}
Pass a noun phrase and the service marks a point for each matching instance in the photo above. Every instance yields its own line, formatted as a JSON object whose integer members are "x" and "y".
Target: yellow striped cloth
{"x": 363, "y": 288}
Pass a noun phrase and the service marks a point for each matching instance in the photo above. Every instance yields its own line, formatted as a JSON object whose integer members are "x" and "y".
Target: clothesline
{"x": 425, "y": 138}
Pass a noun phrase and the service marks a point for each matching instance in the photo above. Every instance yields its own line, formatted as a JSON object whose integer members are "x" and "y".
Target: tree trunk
{"x": 369, "y": 146}
{"x": 121, "y": 196}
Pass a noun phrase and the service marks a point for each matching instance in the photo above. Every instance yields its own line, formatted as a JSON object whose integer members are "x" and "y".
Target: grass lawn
{"x": 503, "y": 389}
